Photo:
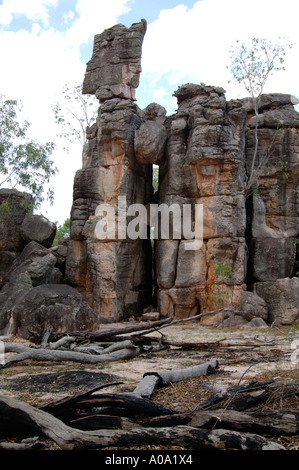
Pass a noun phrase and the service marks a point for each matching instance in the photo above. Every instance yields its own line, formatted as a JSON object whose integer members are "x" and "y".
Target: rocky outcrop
{"x": 110, "y": 269}
{"x": 204, "y": 164}
{"x": 245, "y": 260}
{"x": 204, "y": 153}
{"x": 274, "y": 199}
{"x": 273, "y": 223}
{"x": 32, "y": 297}
{"x": 18, "y": 227}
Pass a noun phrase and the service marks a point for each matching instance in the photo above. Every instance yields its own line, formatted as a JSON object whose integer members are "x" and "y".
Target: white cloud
{"x": 34, "y": 10}
{"x": 36, "y": 64}
{"x": 69, "y": 16}
{"x": 181, "y": 45}
{"x": 193, "y": 44}
{"x": 159, "y": 93}
{"x": 94, "y": 17}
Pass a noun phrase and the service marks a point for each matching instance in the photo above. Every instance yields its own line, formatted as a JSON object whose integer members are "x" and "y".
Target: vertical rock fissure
{"x": 249, "y": 279}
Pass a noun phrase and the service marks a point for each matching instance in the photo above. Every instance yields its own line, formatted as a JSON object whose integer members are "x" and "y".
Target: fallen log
{"x": 271, "y": 423}
{"x": 25, "y": 353}
{"x": 151, "y": 380}
{"x": 62, "y": 342}
{"x": 67, "y": 438}
{"x": 128, "y": 404}
{"x": 108, "y": 333}
{"x": 123, "y": 404}
{"x": 46, "y": 337}
{"x": 220, "y": 344}
{"x": 26, "y": 444}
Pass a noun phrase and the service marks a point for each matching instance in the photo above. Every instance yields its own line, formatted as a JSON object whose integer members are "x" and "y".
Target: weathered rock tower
{"x": 204, "y": 153}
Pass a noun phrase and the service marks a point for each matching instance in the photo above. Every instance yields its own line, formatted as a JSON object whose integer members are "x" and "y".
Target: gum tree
{"x": 251, "y": 66}
{"x": 24, "y": 163}
{"x": 74, "y": 113}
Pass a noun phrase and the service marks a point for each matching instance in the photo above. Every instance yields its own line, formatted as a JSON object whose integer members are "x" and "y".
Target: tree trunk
{"x": 25, "y": 353}
{"x": 273, "y": 423}
{"x": 69, "y": 438}
{"x": 153, "y": 379}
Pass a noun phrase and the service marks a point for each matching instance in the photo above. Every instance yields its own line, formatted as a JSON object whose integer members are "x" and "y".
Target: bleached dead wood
{"x": 70, "y": 438}
{"x": 151, "y": 380}
{"x": 25, "y": 353}
{"x": 46, "y": 337}
{"x": 26, "y": 444}
{"x": 62, "y": 342}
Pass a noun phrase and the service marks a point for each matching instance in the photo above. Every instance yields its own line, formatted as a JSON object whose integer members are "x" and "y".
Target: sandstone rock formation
{"x": 246, "y": 262}
{"x": 204, "y": 152}
{"x": 112, "y": 273}
{"x": 32, "y": 297}
{"x": 204, "y": 164}
{"x": 115, "y": 66}
{"x": 273, "y": 223}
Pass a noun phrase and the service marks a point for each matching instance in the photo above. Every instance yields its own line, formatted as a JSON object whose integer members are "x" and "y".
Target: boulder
{"x": 115, "y": 65}
{"x": 150, "y": 138}
{"x": 58, "y": 306}
{"x": 149, "y": 142}
{"x": 233, "y": 321}
{"x": 253, "y": 306}
{"x": 39, "y": 229}
{"x": 14, "y": 206}
{"x": 6, "y": 260}
{"x": 35, "y": 260}
{"x": 257, "y": 323}
{"x": 282, "y": 298}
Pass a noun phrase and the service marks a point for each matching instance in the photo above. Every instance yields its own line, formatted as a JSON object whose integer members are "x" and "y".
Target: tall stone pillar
{"x": 204, "y": 165}
{"x": 113, "y": 273}
{"x": 274, "y": 202}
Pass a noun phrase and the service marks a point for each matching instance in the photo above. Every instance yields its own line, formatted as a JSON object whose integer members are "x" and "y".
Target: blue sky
{"x": 45, "y": 44}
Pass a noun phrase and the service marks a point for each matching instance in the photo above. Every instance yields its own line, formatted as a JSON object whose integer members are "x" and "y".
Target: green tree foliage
{"x": 155, "y": 178}
{"x": 251, "y": 66}
{"x": 74, "y": 113}
{"x": 62, "y": 231}
{"x": 24, "y": 163}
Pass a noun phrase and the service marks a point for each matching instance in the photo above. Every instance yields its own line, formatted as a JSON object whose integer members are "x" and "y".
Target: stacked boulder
{"x": 32, "y": 294}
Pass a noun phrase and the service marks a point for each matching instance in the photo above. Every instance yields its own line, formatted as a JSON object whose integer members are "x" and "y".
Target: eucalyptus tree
{"x": 251, "y": 66}
{"x": 24, "y": 163}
